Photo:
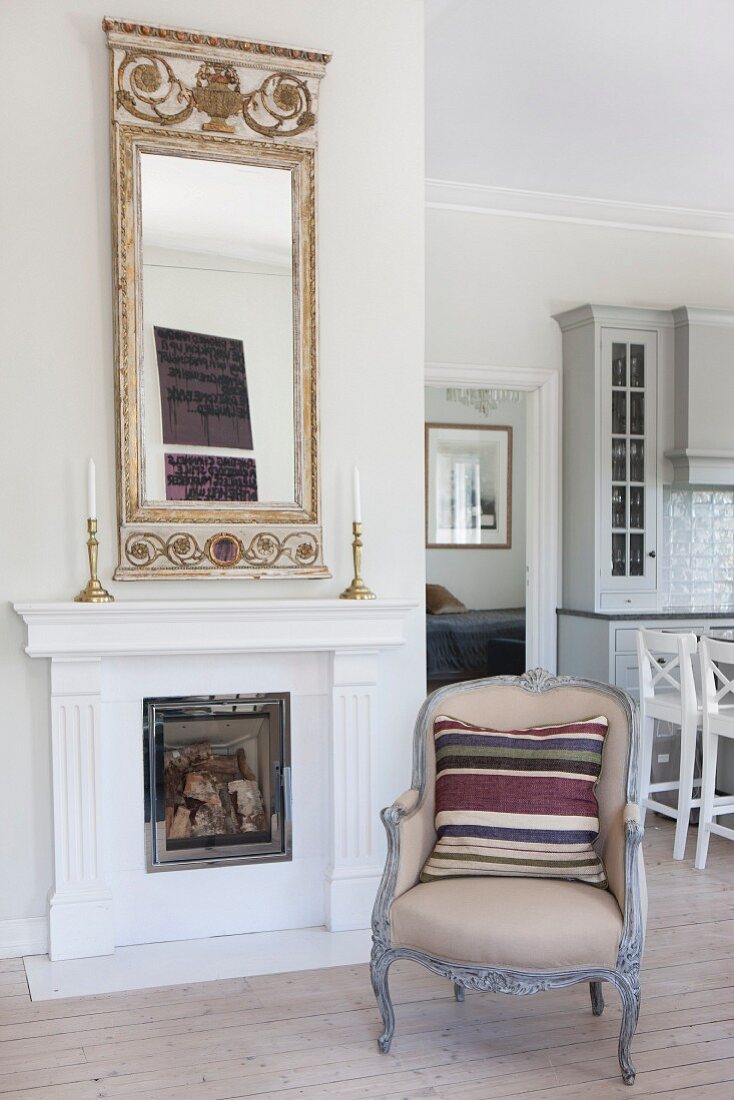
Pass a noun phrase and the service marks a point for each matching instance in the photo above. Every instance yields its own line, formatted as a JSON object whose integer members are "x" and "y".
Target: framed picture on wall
{"x": 468, "y": 486}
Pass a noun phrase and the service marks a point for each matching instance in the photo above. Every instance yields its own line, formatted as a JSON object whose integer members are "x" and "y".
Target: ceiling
{"x": 621, "y": 100}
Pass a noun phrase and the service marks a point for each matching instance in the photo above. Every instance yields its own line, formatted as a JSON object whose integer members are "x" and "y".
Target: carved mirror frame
{"x": 164, "y": 100}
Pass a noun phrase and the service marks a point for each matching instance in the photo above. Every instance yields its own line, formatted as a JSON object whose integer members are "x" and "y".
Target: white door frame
{"x": 543, "y": 526}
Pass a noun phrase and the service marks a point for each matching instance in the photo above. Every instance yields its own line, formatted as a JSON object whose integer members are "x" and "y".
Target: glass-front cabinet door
{"x": 628, "y": 504}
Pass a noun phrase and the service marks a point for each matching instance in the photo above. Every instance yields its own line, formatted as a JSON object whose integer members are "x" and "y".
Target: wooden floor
{"x": 312, "y": 1034}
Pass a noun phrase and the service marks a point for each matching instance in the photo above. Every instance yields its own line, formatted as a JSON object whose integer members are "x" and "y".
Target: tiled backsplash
{"x": 698, "y": 547}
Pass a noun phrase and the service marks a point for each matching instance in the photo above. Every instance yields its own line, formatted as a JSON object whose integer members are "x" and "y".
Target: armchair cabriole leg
{"x": 629, "y": 992}
{"x": 597, "y": 998}
{"x": 458, "y": 991}
{"x": 379, "y": 967}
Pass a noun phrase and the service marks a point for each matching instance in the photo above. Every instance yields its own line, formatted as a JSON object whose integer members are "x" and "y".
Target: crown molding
{"x": 481, "y": 375}
{"x": 474, "y": 198}
{"x": 697, "y": 467}
{"x": 701, "y": 315}
{"x": 621, "y": 316}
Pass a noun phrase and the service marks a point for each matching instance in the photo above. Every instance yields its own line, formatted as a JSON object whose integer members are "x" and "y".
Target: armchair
{"x": 518, "y": 935}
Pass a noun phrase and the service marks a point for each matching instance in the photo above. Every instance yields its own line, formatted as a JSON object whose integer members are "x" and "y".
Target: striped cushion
{"x": 517, "y": 802}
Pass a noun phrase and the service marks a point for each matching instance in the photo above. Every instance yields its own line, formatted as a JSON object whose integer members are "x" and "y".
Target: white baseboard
{"x": 24, "y": 936}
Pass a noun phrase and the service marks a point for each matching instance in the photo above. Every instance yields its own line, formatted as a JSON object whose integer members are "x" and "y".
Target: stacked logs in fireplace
{"x": 210, "y": 794}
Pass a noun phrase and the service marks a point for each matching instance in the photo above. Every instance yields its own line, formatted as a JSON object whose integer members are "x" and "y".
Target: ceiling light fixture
{"x": 483, "y": 400}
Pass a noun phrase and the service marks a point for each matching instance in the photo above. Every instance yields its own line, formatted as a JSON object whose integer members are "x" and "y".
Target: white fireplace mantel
{"x": 80, "y": 638}
{"x": 138, "y": 627}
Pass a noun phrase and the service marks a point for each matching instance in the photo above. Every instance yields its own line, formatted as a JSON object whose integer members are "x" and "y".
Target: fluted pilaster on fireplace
{"x": 354, "y": 872}
{"x": 80, "y": 903}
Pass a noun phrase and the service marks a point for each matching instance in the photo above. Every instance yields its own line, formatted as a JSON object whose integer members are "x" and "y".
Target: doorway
{"x": 539, "y": 400}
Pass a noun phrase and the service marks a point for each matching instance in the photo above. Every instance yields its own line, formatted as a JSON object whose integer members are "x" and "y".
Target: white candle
{"x": 91, "y": 490}
{"x": 357, "y": 498}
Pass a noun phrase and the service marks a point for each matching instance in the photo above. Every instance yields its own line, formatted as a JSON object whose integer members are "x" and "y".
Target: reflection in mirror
{"x": 217, "y": 320}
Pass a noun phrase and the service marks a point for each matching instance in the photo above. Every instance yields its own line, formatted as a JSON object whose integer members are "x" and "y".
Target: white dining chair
{"x": 668, "y": 694}
{"x": 717, "y": 688}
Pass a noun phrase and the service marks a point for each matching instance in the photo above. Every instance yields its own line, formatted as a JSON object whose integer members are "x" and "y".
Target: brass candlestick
{"x": 357, "y": 590}
{"x": 94, "y": 592}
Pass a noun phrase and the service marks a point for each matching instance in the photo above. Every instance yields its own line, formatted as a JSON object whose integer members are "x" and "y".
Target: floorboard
{"x": 312, "y": 1034}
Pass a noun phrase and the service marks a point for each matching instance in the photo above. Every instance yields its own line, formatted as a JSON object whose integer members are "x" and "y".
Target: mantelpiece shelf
{"x": 210, "y": 626}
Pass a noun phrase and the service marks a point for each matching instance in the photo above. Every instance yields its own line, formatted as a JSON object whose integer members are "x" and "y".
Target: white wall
{"x": 493, "y": 283}
{"x": 485, "y": 578}
{"x": 56, "y": 352}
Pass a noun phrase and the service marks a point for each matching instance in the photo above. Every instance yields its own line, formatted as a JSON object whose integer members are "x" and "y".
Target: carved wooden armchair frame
{"x": 406, "y": 813}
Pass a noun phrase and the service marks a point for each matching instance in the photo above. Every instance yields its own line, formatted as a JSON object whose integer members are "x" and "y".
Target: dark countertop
{"x": 661, "y": 613}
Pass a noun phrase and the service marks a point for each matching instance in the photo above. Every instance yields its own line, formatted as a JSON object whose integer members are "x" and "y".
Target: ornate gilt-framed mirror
{"x": 213, "y": 168}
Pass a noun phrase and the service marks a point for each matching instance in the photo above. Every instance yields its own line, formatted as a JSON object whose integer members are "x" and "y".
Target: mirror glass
{"x": 217, "y": 376}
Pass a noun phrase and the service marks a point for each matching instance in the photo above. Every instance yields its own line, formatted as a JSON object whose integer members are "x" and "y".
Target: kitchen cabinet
{"x": 612, "y": 497}
{"x": 601, "y": 646}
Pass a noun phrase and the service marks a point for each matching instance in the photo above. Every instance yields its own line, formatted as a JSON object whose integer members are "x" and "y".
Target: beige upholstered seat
{"x": 519, "y": 935}
{"x": 523, "y": 924}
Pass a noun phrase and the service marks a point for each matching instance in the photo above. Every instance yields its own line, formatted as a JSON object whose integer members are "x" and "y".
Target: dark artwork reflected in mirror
{"x": 204, "y": 404}
{"x": 203, "y": 389}
{"x": 210, "y": 477}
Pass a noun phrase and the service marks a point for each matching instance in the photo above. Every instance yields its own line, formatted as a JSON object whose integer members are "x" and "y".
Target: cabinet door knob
{"x": 651, "y": 554}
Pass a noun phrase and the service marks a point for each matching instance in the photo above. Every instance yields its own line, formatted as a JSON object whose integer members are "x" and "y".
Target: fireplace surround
{"x": 352, "y": 710}
{"x": 217, "y": 780}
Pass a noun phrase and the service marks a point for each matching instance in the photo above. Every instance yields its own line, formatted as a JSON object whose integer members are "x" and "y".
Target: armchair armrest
{"x": 634, "y": 907}
{"x": 405, "y": 803}
{"x": 411, "y": 834}
{"x": 632, "y": 813}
